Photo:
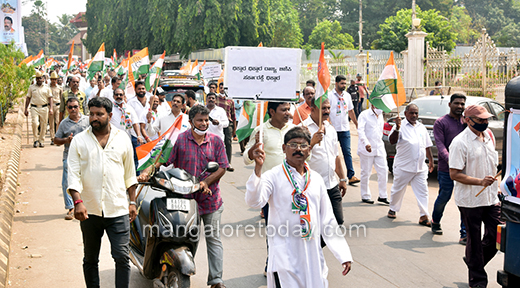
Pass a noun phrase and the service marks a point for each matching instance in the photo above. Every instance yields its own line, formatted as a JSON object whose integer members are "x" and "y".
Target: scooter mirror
{"x": 212, "y": 167}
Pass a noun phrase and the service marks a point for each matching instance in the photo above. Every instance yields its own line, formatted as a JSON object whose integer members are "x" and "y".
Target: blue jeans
{"x": 118, "y": 231}
{"x": 344, "y": 141}
{"x": 135, "y": 144}
{"x": 360, "y": 105}
{"x": 445, "y": 191}
{"x": 64, "y": 184}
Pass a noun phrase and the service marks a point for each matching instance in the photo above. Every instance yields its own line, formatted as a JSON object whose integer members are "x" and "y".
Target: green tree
{"x": 462, "y": 24}
{"x": 330, "y": 33}
{"x": 312, "y": 11}
{"x": 508, "y": 36}
{"x": 286, "y": 30}
{"x": 393, "y": 31}
{"x": 15, "y": 80}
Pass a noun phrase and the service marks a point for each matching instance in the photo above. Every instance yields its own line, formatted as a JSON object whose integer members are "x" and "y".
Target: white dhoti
{"x": 366, "y": 163}
{"x": 419, "y": 183}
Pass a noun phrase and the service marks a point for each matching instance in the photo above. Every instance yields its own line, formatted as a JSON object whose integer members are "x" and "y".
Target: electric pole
{"x": 360, "y": 26}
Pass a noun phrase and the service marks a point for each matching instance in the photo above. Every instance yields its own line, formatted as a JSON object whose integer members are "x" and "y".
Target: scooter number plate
{"x": 177, "y": 204}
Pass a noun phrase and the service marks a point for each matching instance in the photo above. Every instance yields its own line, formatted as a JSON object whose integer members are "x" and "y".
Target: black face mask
{"x": 481, "y": 127}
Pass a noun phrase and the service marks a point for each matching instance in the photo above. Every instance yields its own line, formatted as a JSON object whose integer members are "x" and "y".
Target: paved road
{"x": 397, "y": 253}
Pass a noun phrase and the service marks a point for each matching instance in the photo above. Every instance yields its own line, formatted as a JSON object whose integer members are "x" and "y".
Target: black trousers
{"x": 228, "y": 138}
{"x": 118, "y": 231}
{"x": 337, "y": 206}
{"x": 479, "y": 251}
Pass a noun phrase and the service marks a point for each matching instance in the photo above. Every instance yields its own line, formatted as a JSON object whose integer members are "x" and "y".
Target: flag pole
{"x": 319, "y": 110}
{"x": 297, "y": 111}
{"x": 261, "y": 129}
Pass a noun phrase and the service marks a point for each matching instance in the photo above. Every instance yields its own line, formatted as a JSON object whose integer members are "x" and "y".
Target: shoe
{"x": 35, "y": 145}
{"x": 463, "y": 241}
{"x": 391, "y": 214}
{"x": 353, "y": 180}
{"x": 436, "y": 228}
{"x": 230, "y": 169}
{"x": 41, "y": 145}
{"x": 368, "y": 201}
{"x": 70, "y": 215}
{"x": 383, "y": 200}
{"x": 219, "y": 285}
{"x": 52, "y": 142}
{"x": 424, "y": 221}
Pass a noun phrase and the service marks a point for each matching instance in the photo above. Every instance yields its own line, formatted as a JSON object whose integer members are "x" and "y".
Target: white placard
{"x": 262, "y": 73}
{"x": 211, "y": 71}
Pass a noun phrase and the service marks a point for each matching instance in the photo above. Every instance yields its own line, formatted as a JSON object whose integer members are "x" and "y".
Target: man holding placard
{"x": 340, "y": 111}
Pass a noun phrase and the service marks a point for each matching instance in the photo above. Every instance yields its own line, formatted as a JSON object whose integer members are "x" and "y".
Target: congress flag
{"x": 98, "y": 62}
{"x": 323, "y": 84}
{"x": 155, "y": 71}
{"x": 389, "y": 91}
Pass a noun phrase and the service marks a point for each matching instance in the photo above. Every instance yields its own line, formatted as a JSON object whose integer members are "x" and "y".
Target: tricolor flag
{"x": 148, "y": 153}
{"x": 140, "y": 62}
{"x": 389, "y": 91}
{"x": 250, "y": 118}
{"x": 49, "y": 63}
{"x": 185, "y": 70}
{"x": 220, "y": 80}
{"x": 123, "y": 67}
{"x": 26, "y": 61}
{"x": 39, "y": 59}
{"x": 130, "y": 83}
{"x": 155, "y": 71}
{"x": 71, "y": 52}
{"x": 323, "y": 84}
{"x": 114, "y": 57}
{"x": 195, "y": 68}
{"x": 98, "y": 62}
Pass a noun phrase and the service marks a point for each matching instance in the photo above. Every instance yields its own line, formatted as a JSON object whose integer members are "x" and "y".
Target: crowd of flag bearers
{"x": 301, "y": 152}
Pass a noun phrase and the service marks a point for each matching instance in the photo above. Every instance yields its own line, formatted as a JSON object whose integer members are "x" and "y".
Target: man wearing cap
{"x": 473, "y": 165}
{"x": 164, "y": 108}
{"x": 56, "y": 96}
{"x": 39, "y": 97}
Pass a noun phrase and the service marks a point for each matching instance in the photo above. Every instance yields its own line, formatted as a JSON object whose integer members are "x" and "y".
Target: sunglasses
{"x": 73, "y": 107}
{"x": 118, "y": 94}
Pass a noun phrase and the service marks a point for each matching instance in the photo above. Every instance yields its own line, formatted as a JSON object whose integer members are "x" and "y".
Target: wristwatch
{"x": 343, "y": 180}
{"x": 133, "y": 203}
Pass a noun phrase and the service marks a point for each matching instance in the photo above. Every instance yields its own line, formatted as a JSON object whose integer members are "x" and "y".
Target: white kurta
{"x": 298, "y": 262}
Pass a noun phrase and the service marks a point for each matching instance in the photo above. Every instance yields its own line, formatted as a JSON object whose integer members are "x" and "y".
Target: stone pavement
{"x": 397, "y": 253}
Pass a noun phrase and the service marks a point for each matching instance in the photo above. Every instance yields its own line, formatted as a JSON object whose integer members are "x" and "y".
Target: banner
{"x": 262, "y": 73}
{"x": 211, "y": 71}
{"x": 12, "y": 16}
{"x": 511, "y": 182}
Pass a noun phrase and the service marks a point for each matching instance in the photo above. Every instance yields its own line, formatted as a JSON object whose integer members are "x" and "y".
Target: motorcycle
{"x": 165, "y": 234}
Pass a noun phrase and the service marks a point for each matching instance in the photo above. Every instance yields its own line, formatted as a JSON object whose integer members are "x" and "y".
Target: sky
{"x": 56, "y": 8}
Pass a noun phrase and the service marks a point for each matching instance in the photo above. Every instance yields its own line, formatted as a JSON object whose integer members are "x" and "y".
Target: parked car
{"x": 433, "y": 107}
{"x": 173, "y": 84}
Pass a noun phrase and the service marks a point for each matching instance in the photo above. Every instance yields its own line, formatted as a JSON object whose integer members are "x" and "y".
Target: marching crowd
{"x": 298, "y": 174}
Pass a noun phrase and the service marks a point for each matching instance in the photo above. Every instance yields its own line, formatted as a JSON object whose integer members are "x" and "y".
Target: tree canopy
{"x": 395, "y": 28}
{"x": 330, "y": 33}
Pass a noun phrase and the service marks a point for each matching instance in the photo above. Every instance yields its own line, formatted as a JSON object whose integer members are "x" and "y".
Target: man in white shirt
{"x": 217, "y": 116}
{"x": 296, "y": 259}
{"x": 371, "y": 151}
{"x": 325, "y": 157}
{"x": 340, "y": 110}
{"x": 140, "y": 105}
{"x": 165, "y": 122}
{"x": 99, "y": 90}
{"x": 148, "y": 119}
{"x": 473, "y": 163}
{"x": 108, "y": 92}
{"x": 413, "y": 146}
{"x": 101, "y": 174}
{"x": 91, "y": 87}
{"x": 126, "y": 119}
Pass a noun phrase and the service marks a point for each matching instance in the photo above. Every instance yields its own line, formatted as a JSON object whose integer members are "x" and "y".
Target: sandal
{"x": 425, "y": 222}
{"x": 391, "y": 214}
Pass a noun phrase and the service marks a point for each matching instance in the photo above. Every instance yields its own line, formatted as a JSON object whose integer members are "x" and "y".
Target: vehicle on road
{"x": 432, "y": 108}
{"x": 173, "y": 83}
{"x": 165, "y": 234}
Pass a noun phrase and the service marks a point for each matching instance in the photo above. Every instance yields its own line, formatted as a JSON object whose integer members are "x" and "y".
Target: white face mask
{"x": 378, "y": 111}
{"x": 119, "y": 102}
{"x": 200, "y": 132}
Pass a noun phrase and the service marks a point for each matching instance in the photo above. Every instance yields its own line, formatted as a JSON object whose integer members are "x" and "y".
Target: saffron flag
{"x": 140, "y": 62}
{"x": 185, "y": 70}
{"x": 71, "y": 52}
{"x": 155, "y": 71}
{"x": 220, "y": 80}
{"x": 148, "y": 153}
{"x": 389, "y": 91}
{"x": 130, "y": 83}
{"x": 39, "y": 59}
{"x": 250, "y": 117}
{"x": 323, "y": 84}
{"x": 98, "y": 62}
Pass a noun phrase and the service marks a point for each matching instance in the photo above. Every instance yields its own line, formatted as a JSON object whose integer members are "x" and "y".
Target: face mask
{"x": 119, "y": 102}
{"x": 378, "y": 111}
{"x": 200, "y": 132}
{"x": 479, "y": 127}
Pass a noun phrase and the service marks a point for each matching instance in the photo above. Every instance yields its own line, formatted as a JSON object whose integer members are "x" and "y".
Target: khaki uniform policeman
{"x": 39, "y": 97}
{"x": 54, "y": 119}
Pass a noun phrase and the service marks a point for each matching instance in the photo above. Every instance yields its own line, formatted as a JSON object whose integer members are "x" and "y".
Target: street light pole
{"x": 360, "y": 32}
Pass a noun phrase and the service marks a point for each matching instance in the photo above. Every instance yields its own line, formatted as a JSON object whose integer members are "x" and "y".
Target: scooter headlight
{"x": 182, "y": 187}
